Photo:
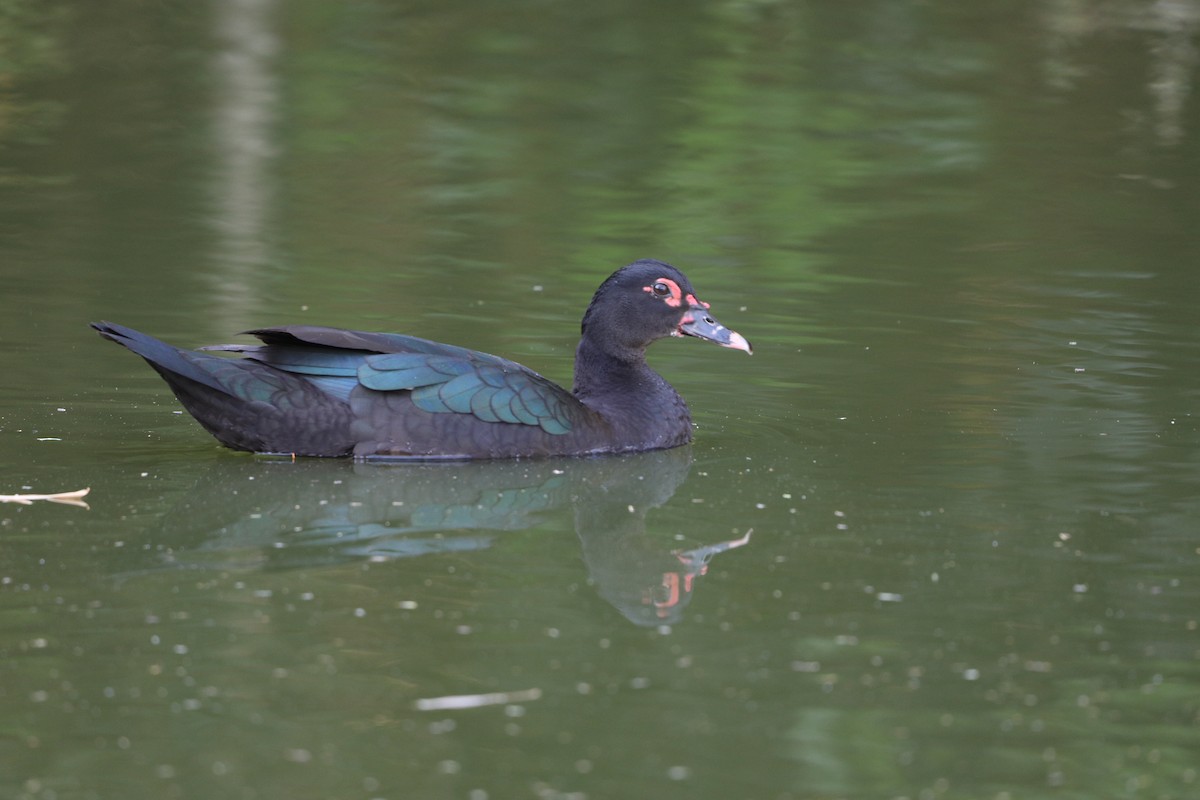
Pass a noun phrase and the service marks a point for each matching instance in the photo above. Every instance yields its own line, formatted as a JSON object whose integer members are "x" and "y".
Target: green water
{"x": 938, "y": 538}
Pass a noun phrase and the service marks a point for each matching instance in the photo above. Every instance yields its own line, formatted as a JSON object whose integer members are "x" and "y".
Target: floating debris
{"x": 476, "y": 700}
{"x": 66, "y": 498}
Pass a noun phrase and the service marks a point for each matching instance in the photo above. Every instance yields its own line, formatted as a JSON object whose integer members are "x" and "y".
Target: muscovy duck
{"x": 316, "y": 391}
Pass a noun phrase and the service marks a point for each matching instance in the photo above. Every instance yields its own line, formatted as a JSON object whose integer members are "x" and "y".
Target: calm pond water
{"x": 939, "y": 537}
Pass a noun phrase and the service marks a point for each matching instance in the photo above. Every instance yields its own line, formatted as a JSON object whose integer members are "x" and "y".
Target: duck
{"x": 309, "y": 390}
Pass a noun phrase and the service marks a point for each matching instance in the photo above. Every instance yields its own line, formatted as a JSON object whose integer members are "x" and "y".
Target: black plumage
{"x": 318, "y": 391}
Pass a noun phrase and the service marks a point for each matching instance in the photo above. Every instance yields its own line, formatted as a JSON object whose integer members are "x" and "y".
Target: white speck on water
{"x": 1079, "y": 588}
{"x": 639, "y": 683}
{"x": 632, "y": 509}
{"x": 360, "y": 612}
{"x": 679, "y": 773}
{"x": 889, "y": 597}
{"x": 1080, "y": 369}
{"x": 477, "y": 700}
{"x": 298, "y": 755}
{"x": 537, "y": 287}
{"x": 971, "y": 674}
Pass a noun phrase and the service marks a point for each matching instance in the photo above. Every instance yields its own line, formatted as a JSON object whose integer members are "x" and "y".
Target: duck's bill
{"x": 702, "y": 325}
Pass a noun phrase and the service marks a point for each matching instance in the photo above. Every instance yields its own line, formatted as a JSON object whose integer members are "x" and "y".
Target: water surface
{"x": 937, "y": 538}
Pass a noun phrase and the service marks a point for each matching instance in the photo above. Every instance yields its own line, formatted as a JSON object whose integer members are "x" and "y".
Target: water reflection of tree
{"x": 1170, "y": 29}
{"x": 31, "y": 51}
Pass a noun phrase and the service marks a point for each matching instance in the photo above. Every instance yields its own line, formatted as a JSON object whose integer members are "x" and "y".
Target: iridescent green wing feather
{"x": 443, "y": 379}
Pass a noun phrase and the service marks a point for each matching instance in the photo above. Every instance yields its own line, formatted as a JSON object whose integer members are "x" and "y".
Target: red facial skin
{"x": 675, "y": 298}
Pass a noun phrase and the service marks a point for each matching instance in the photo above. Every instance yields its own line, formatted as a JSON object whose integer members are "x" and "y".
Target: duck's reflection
{"x": 268, "y": 514}
{"x": 643, "y": 579}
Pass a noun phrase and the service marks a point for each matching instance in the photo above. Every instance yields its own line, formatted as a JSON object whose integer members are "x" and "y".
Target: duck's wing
{"x": 443, "y": 378}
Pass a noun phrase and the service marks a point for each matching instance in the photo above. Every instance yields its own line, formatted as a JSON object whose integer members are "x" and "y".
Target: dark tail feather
{"x": 161, "y": 355}
{"x": 244, "y": 403}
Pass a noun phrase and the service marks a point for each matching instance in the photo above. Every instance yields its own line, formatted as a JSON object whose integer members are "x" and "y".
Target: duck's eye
{"x": 661, "y": 289}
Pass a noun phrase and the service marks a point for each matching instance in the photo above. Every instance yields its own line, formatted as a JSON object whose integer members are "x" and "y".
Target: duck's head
{"x": 649, "y": 300}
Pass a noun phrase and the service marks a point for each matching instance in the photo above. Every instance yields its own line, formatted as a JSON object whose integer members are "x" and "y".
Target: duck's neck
{"x": 643, "y": 409}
